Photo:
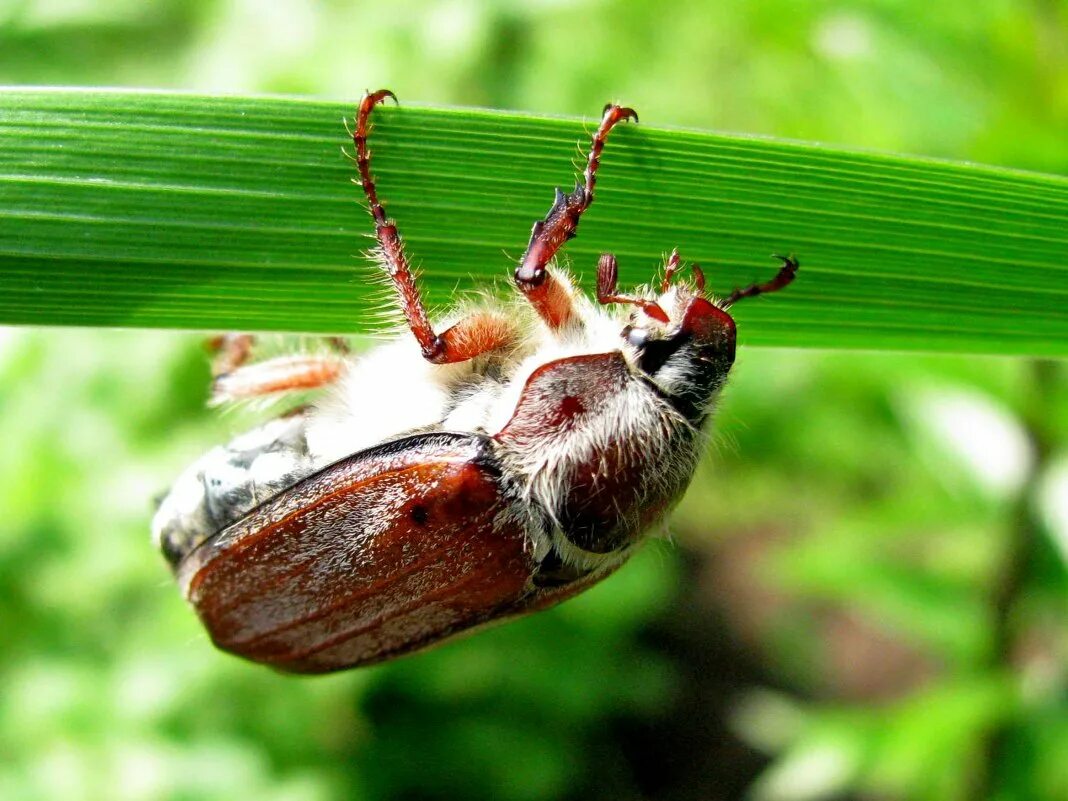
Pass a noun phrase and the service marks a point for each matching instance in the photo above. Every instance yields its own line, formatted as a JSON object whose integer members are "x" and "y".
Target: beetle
{"x": 460, "y": 474}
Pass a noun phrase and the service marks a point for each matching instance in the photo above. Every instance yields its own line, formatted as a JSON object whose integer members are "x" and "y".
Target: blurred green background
{"x": 865, "y": 592}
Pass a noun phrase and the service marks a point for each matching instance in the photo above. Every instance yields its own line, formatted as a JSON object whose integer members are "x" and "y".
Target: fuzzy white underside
{"x": 393, "y": 390}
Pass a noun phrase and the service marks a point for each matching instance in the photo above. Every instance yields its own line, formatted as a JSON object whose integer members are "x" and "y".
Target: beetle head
{"x": 686, "y": 359}
{"x": 685, "y": 341}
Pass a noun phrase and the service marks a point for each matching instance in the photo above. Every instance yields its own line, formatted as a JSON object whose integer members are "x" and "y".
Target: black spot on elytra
{"x": 571, "y": 406}
{"x": 419, "y": 514}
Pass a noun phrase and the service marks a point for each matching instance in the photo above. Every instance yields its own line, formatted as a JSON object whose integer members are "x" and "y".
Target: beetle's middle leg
{"x": 471, "y": 336}
{"x": 549, "y": 296}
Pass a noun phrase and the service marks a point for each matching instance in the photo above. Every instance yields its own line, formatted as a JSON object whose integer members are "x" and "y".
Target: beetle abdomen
{"x": 229, "y": 481}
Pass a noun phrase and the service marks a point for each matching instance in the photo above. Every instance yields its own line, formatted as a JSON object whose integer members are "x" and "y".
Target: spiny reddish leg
{"x": 465, "y": 340}
{"x": 608, "y": 280}
{"x": 283, "y": 374}
{"x": 783, "y": 277}
{"x": 233, "y": 379}
{"x": 391, "y": 249}
{"x": 548, "y": 297}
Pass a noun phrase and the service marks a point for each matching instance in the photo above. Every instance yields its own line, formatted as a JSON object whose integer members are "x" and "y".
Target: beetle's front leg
{"x": 550, "y": 296}
{"x": 608, "y": 284}
{"x": 473, "y": 336}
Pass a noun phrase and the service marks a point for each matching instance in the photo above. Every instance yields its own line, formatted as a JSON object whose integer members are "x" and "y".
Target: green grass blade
{"x": 179, "y": 211}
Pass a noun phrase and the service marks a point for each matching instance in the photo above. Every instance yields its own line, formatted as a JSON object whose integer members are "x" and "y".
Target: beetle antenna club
{"x": 451, "y": 479}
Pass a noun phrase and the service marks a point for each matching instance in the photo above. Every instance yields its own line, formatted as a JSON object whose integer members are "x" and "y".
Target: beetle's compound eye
{"x": 653, "y": 353}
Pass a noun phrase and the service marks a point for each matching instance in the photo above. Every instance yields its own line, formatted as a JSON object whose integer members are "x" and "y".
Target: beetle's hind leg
{"x": 273, "y": 376}
{"x": 470, "y": 337}
{"x": 233, "y": 378}
{"x": 549, "y": 296}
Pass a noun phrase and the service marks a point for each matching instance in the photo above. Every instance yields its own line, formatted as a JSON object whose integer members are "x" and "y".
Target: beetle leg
{"x": 476, "y": 334}
{"x": 390, "y": 247}
{"x": 783, "y": 277}
{"x": 607, "y": 282}
{"x": 282, "y": 374}
{"x": 233, "y": 350}
{"x": 548, "y": 295}
{"x": 470, "y": 337}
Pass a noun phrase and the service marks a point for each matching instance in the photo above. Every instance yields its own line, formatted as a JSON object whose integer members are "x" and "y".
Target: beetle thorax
{"x": 598, "y": 451}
